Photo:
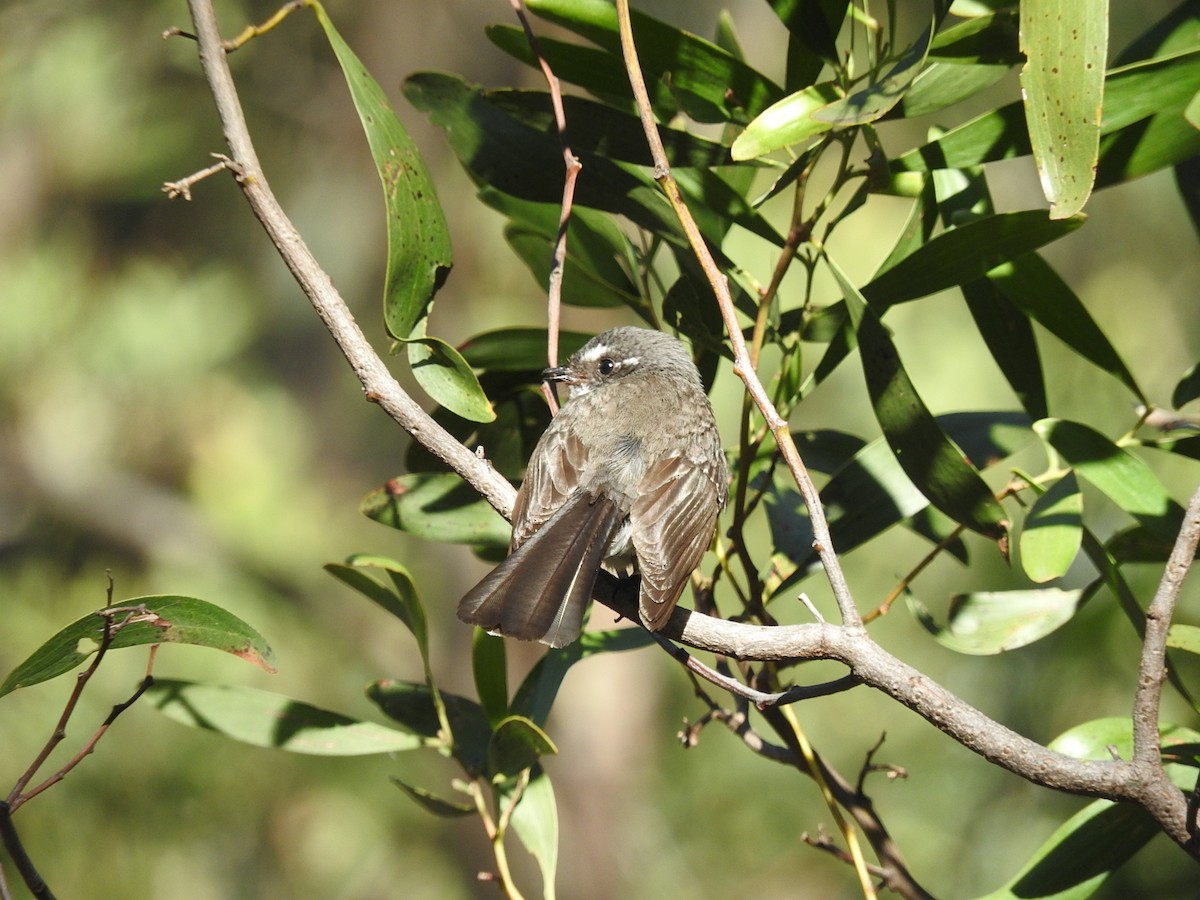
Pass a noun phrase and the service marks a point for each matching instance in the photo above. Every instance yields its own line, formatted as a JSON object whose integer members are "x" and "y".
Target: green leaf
{"x": 489, "y": 666}
{"x": 517, "y": 349}
{"x": 446, "y": 377}
{"x": 264, "y": 719}
{"x": 1188, "y": 387}
{"x": 413, "y": 707}
{"x": 1066, "y": 48}
{"x": 1053, "y": 531}
{"x": 965, "y": 253}
{"x": 498, "y": 150}
{"x": 1119, "y": 475}
{"x": 1082, "y": 852}
{"x": 881, "y": 97}
{"x": 1101, "y": 738}
{"x": 156, "y": 619}
{"x": 439, "y": 507}
{"x": 439, "y": 806}
{"x": 419, "y": 254}
{"x": 535, "y": 820}
{"x": 1033, "y": 287}
{"x": 582, "y": 286}
{"x": 933, "y": 462}
{"x": 991, "y": 622}
{"x": 814, "y": 26}
{"x": 944, "y": 84}
{"x": 787, "y": 122}
{"x": 1184, "y": 637}
{"x": 710, "y": 84}
{"x": 516, "y": 745}
{"x": 400, "y": 598}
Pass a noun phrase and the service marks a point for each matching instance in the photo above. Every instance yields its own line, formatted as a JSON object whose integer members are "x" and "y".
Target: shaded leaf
{"x": 965, "y": 253}
{"x": 1188, "y": 387}
{"x": 438, "y": 507}
{"x": 813, "y": 24}
{"x": 489, "y": 666}
{"x": 419, "y": 254}
{"x": 516, "y": 744}
{"x": 138, "y": 621}
{"x": 1120, "y": 476}
{"x": 933, "y": 462}
{"x": 711, "y": 84}
{"x": 1066, "y": 47}
{"x": 991, "y": 622}
{"x": 1053, "y": 531}
{"x": 517, "y": 349}
{"x": 439, "y": 806}
{"x": 271, "y": 720}
{"x": 400, "y": 598}
{"x": 413, "y": 707}
{"x": 1033, "y": 287}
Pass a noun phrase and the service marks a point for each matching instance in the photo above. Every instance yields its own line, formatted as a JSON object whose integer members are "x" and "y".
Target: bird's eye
{"x": 606, "y": 366}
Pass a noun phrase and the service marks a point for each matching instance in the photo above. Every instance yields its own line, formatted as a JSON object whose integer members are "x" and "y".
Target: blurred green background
{"x": 172, "y": 411}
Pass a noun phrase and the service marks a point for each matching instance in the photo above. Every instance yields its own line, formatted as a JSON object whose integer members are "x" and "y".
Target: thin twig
{"x": 742, "y": 365}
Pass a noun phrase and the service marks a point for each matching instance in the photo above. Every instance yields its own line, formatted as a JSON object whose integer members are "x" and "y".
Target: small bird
{"x": 630, "y": 474}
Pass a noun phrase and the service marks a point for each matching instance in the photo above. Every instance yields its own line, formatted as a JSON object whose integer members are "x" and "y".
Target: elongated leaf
{"x": 964, "y": 254}
{"x": 517, "y": 349}
{"x": 1119, "y": 475}
{"x": 991, "y": 622}
{"x": 711, "y": 84}
{"x": 412, "y": 706}
{"x": 535, "y": 820}
{"x": 447, "y": 378}
{"x": 419, "y": 254}
{"x": 1143, "y": 125}
{"x": 513, "y": 157}
{"x": 814, "y": 25}
{"x": 1188, "y": 387}
{"x": 489, "y": 666}
{"x": 400, "y": 598}
{"x": 438, "y": 507}
{"x": 1053, "y": 531}
{"x": 1032, "y": 286}
{"x": 1080, "y": 855}
{"x": 1101, "y": 738}
{"x": 611, "y": 133}
{"x": 787, "y": 122}
{"x": 516, "y": 744}
{"x": 583, "y": 286}
{"x": 879, "y": 98}
{"x": 158, "y": 619}
{"x": 933, "y": 462}
{"x": 439, "y": 806}
{"x": 271, "y": 720}
{"x": 1066, "y": 48}
{"x": 1184, "y": 637}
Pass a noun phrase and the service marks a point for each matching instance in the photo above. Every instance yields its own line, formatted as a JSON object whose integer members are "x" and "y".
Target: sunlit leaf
{"x": 419, "y": 254}
{"x": 271, "y": 720}
{"x": 158, "y": 619}
{"x": 785, "y": 123}
{"x": 447, "y": 378}
{"x": 1122, "y": 477}
{"x": 1053, "y": 531}
{"x": 1066, "y": 47}
{"x": 535, "y": 820}
{"x": 994, "y": 621}
{"x": 438, "y": 507}
{"x": 400, "y": 598}
{"x": 1184, "y": 637}
{"x": 877, "y": 99}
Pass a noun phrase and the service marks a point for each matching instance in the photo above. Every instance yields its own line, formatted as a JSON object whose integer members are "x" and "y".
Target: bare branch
{"x": 378, "y": 383}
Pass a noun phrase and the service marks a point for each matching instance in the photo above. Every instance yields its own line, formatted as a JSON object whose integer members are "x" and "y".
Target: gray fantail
{"x": 629, "y": 475}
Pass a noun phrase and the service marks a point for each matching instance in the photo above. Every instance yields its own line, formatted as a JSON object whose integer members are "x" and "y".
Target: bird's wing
{"x": 672, "y": 521}
{"x": 553, "y": 475}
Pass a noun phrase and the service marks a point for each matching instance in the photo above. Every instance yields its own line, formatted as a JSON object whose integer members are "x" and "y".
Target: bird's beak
{"x": 559, "y": 373}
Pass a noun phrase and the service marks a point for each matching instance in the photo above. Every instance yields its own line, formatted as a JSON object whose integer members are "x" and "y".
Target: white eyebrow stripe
{"x": 600, "y": 350}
